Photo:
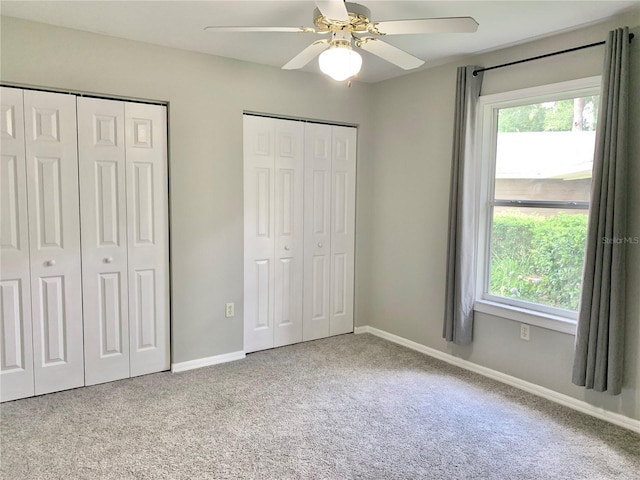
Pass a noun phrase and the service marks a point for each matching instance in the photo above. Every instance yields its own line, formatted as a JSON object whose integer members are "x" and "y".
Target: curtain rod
{"x": 475, "y": 72}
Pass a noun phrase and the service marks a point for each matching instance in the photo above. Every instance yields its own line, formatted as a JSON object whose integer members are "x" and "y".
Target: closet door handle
{"x": 287, "y": 248}
{"x": 50, "y": 263}
{"x": 108, "y": 260}
{"x": 319, "y": 244}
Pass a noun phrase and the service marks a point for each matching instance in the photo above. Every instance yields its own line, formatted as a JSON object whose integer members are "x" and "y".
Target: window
{"x": 537, "y": 150}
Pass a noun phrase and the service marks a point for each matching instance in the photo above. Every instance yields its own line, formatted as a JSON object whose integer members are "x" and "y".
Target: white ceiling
{"x": 180, "y": 24}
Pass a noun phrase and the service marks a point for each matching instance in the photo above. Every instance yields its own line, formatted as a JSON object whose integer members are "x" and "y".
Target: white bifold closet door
{"x": 299, "y": 193}
{"x": 54, "y": 239}
{"x": 330, "y": 167}
{"x": 42, "y": 349}
{"x": 147, "y": 237}
{"x": 71, "y": 313}
{"x": 16, "y": 342}
{"x": 273, "y": 196}
{"x": 122, "y": 149}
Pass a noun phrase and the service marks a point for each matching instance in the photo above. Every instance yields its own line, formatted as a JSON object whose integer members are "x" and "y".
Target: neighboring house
{"x": 540, "y": 165}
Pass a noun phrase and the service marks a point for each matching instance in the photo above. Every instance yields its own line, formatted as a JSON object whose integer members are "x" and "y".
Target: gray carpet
{"x": 339, "y": 408}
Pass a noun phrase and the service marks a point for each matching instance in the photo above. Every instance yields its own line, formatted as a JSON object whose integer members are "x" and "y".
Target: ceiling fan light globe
{"x": 340, "y": 63}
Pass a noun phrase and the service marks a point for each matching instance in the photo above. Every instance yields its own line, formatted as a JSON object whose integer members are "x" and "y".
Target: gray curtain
{"x": 598, "y": 362}
{"x": 463, "y": 212}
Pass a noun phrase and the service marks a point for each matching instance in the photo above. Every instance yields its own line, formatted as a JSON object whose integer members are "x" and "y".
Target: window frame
{"x": 486, "y": 138}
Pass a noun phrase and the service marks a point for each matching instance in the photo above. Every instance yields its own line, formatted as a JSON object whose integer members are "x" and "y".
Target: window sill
{"x": 530, "y": 317}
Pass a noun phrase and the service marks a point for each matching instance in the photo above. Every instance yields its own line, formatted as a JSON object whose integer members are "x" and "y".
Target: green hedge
{"x": 538, "y": 258}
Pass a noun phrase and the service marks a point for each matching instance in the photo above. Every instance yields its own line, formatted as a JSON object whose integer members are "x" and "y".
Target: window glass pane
{"x": 544, "y": 151}
{"x": 537, "y": 255}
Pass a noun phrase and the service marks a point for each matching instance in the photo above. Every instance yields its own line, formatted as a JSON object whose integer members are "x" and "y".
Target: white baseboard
{"x": 207, "y": 361}
{"x": 562, "y": 399}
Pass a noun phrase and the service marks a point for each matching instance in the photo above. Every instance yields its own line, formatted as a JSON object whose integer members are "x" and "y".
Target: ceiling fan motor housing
{"x": 359, "y": 20}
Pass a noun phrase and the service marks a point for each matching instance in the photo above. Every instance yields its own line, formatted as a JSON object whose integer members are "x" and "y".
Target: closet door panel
{"x": 259, "y": 232}
{"x": 317, "y": 230}
{"x": 148, "y": 239}
{"x": 342, "y": 229}
{"x": 282, "y": 266}
{"x": 288, "y": 258}
{"x": 54, "y": 231}
{"x": 16, "y": 371}
{"x": 104, "y": 242}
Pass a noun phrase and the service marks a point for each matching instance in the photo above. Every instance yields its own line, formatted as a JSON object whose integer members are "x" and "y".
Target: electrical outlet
{"x": 229, "y": 310}
{"x": 524, "y": 331}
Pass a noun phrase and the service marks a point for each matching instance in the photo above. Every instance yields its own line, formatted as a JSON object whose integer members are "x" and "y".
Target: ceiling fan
{"x": 349, "y": 25}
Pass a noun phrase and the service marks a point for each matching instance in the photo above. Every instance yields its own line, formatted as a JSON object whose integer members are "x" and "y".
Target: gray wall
{"x": 413, "y": 118}
{"x": 403, "y": 183}
{"x": 206, "y": 98}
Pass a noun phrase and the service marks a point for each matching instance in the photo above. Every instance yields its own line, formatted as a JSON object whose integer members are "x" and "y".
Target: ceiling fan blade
{"x": 306, "y": 55}
{"x": 428, "y": 25}
{"x": 261, "y": 29}
{"x": 333, "y": 9}
{"x": 389, "y": 53}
